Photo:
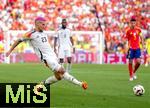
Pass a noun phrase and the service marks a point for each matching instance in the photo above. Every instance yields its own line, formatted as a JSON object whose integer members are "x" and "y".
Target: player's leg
{"x": 65, "y": 75}
{"x": 137, "y": 61}
{"x": 69, "y": 58}
{"x": 68, "y": 67}
{"x": 137, "y": 64}
{"x": 130, "y": 67}
{"x": 130, "y": 63}
{"x": 52, "y": 79}
{"x": 59, "y": 73}
{"x": 61, "y": 61}
{"x": 61, "y": 56}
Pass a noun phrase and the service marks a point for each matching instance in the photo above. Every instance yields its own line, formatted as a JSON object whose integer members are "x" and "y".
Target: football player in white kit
{"x": 65, "y": 44}
{"x": 39, "y": 41}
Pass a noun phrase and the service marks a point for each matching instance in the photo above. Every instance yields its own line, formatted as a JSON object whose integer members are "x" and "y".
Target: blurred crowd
{"x": 110, "y": 16}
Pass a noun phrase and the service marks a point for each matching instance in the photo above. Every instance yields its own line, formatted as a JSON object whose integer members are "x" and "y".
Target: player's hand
{"x": 74, "y": 50}
{"x": 144, "y": 47}
{"x": 8, "y": 53}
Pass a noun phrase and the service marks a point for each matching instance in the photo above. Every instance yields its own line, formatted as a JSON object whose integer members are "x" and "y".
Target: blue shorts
{"x": 134, "y": 53}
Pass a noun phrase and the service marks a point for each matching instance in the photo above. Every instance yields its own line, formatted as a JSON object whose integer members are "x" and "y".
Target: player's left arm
{"x": 15, "y": 44}
{"x": 25, "y": 37}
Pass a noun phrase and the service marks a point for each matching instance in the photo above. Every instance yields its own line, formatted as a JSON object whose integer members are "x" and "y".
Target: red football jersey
{"x": 133, "y": 36}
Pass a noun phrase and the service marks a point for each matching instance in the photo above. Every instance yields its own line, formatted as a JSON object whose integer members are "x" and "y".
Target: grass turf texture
{"x": 109, "y": 85}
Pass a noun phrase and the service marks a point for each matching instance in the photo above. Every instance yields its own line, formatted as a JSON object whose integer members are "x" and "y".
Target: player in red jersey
{"x": 134, "y": 37}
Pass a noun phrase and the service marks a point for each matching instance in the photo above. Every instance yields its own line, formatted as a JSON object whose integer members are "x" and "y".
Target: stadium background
{"x": 109, "y": 85}
{"x": 114, "y": 16}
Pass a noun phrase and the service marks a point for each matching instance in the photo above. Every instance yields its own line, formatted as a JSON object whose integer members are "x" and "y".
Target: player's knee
{"x": 69, "y": 60}
{"x": 61, "y": 70}
{"x": 58, "y": 76}
{"x": 130, "y": 61}
{"x": 59, "y": 73}
{"x": 61, "y": 60}
{"x": 138, "y": 61}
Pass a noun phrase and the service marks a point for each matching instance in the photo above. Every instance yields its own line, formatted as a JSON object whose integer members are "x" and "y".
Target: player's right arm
{"x": 18, "y": 41}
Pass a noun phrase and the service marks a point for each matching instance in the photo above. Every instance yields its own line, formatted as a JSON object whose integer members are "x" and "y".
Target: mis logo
{"x": 23, "y": 95}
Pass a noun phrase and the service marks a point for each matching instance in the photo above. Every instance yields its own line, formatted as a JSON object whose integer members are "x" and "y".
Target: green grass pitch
{"x": 109, "y": 85}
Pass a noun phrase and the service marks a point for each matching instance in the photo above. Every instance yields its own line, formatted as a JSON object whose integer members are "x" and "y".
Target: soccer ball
{"x": 138, "y": 90}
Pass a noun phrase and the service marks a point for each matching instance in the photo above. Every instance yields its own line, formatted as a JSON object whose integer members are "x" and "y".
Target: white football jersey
{"x": 39, "y": 41}
{"x": 63, "y": 36}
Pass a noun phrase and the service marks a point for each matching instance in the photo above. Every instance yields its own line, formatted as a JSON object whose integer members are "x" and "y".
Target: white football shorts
{"x": 52, "y": 62}
{"x": 62, "y": 53}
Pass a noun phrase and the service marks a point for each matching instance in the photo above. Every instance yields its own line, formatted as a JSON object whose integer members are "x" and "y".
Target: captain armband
{"x": 21, "y": 39}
